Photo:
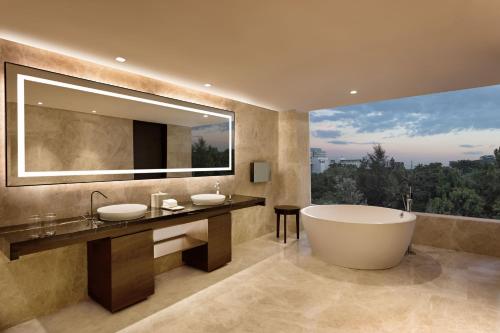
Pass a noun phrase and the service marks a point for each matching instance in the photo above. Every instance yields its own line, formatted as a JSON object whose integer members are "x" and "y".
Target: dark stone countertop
{"x": 19, "y": 240}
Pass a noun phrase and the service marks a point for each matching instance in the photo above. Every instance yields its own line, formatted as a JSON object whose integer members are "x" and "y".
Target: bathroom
{"x": 264, "y": 77}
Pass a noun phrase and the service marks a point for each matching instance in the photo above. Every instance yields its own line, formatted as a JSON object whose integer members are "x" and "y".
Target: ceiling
{"x": 280, "y": 54}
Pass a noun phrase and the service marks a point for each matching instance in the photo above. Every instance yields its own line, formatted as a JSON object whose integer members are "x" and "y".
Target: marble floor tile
{"x": 272, "y": 287}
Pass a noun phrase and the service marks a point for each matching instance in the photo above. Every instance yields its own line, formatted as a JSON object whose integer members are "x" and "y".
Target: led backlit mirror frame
{"x": 112, "y": 91}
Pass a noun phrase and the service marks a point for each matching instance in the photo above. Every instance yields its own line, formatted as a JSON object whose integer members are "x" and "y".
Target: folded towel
{"x": 170, "y": 203}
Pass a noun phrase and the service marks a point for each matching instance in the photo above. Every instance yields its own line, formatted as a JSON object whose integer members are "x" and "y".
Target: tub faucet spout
{"x": 408, "y": 200}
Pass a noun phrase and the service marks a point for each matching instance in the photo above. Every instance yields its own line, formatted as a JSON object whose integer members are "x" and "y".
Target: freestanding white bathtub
{"x": 355, "y": 236}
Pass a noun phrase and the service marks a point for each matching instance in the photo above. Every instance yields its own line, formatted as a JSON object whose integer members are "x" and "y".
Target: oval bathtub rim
{"x": 410, "y": 219}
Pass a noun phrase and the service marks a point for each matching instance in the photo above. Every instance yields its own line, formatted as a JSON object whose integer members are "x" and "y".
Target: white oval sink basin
{"x": 122, "y": 212}
{"x": 208, "y": 199}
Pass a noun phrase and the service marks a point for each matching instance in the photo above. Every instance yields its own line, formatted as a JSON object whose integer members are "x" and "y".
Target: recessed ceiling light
{"x": 208, "y": 85}
{"x": 353, "y": 92}
{"x": 205, "y": 116}
{"x": 39, "y": 103}
{"x": 94, "y": 111}
{"x": 120, "y": 59}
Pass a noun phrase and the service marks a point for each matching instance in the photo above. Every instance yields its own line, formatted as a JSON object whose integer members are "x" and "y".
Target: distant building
{"x": 345, "y": 162}
{"x": 488, "y": 159}
{"x": 319, "y": 160}
{"x": 469, "y": 165}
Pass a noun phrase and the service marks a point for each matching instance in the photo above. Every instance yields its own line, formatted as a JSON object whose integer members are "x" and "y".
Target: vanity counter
{"x": 16, "y": 241}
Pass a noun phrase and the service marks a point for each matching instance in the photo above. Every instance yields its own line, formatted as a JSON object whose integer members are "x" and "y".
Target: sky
{"x": 442, "y": 127}
{"x": 216, "y": 135}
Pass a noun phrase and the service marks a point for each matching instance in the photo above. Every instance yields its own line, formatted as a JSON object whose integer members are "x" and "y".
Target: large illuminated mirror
{"x": 62, "y": 129}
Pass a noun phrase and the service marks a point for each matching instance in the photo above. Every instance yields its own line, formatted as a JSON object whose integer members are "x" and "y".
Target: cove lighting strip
{"x": 21, "y": 149}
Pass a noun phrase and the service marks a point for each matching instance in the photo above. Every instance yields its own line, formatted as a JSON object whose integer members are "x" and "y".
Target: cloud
{"x": 216, "y": 135}
{"x": 342, "y": 142}
{"x": 469, "y": 146}
{"x": 475, "y": 152}
{"x": 327, "y": 134}
{"x": 218, "y": 127}
{"x": 441, "y": 113}
{"x": 339, "y": 142}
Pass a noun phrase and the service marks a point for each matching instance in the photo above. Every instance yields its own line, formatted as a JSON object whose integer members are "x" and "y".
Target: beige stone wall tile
{"x": 481, "y": 236}
{"x": 295, "y": 173}
{"x": 42, "y": 283}
{"x": 168, "y": 262}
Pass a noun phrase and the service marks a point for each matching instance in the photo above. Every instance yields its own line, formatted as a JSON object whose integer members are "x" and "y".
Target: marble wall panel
{"x": 295, "y": 172}
{"x": 475, "y": 235}
{"x": 66, "y": 140}
{"x": 179, "y": 149}
{"x": 41, "y": 283}
{"x": 168, "y": 262}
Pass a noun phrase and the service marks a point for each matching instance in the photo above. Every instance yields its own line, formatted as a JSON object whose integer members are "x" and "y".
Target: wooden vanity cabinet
{"x": 120, "y": 269}
{"x": 217, "y": 252}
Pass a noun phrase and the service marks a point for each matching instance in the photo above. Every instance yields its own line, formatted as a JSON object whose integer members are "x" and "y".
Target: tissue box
{"x": 157, "y": 199}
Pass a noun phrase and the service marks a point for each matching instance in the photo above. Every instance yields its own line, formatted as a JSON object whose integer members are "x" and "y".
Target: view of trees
{"x": 467, "y": 188}
{"x": 207, "y": 156}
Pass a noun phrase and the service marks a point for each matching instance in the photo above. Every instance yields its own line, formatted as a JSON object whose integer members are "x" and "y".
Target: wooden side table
{"x": 286, "y": 210}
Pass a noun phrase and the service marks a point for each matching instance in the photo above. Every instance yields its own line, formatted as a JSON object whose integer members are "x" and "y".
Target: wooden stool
{"x": 286, "y": 210}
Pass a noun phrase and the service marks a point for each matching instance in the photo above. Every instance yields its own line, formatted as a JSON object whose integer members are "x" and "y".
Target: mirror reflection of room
{"x": 67, "y": 129}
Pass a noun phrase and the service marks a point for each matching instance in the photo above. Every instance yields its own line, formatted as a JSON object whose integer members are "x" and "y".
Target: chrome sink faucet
{"x": 92, "y": 219}
{"x": 217, "y": 187}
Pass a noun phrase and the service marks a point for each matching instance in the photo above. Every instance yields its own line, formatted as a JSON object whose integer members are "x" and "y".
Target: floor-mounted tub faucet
{"x": 408, "y": 202}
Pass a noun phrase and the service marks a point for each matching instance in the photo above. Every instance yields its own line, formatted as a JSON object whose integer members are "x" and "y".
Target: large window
{"x": 445, "y": 146}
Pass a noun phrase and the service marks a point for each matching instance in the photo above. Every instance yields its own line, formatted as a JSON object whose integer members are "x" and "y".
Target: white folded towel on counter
{"x": 169, "y": 203}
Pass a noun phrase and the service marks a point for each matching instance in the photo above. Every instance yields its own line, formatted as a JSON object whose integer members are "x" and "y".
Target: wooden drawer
{"x": 120, "y": 269}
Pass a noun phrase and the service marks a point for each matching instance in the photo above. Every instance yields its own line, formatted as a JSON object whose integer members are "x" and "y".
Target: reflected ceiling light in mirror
{"x": 353, "y": 92}
{"x": 205, "y": 116}
{"x": 120, "y": 59}
{"x": 21, "y": 144}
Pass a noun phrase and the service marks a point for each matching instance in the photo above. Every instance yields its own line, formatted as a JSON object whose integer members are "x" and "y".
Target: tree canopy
{"x": 467, "y": 188}
{"x": 204, "y": 155}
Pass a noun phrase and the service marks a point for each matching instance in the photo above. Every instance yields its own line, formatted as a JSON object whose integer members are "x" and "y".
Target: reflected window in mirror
{"x": 62, "y": 129}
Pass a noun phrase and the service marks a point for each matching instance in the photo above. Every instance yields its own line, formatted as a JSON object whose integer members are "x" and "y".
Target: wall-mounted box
{"x": 260, "y": 172}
